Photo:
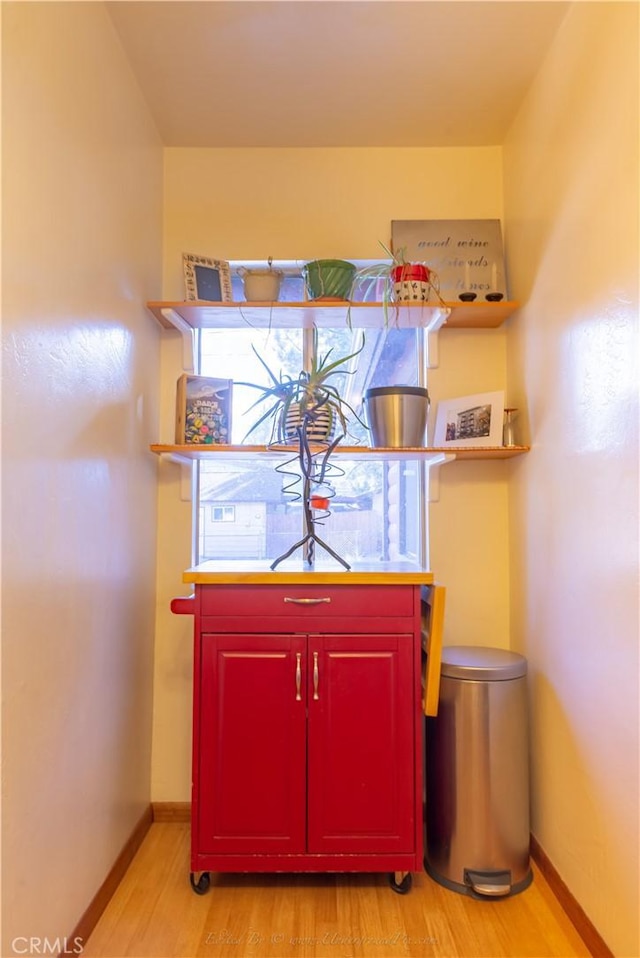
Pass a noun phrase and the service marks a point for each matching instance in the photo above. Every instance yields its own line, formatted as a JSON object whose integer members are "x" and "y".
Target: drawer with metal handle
{"x": 302, "y": 600}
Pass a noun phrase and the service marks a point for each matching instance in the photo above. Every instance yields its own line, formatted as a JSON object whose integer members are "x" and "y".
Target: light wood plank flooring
{"x": 155, "y": 914}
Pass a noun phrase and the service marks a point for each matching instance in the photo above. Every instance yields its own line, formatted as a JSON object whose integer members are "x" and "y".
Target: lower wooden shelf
{"x": 484, "y": 452}
{"x": 433, "y": 454}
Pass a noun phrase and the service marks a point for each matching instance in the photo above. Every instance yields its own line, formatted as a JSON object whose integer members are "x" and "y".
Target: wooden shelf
{"x": 485, "y": 452}
{"x": 330, "y": 314}
{"x": 479, "y": 315}
{"x": 433, "y": 454}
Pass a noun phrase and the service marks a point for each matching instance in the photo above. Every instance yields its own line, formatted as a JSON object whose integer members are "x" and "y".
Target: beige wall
{"x": 302, "y": 204}
{"x": 571, "y": 201}
{"x": 82, "y": 200}
{"x": 82, "y": 193}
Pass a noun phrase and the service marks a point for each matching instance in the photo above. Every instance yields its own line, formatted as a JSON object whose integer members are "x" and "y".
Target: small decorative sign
{"x": 203, "y": 410}
{"x": 466, "y": 255}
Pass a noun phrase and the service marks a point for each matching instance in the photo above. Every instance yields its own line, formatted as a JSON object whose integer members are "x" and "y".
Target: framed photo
{"x": 470, "y": 421}
{"x": 206, "y": 279}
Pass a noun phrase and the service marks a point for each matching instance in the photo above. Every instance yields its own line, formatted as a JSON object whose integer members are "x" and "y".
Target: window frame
{"x": 294, "y": 269}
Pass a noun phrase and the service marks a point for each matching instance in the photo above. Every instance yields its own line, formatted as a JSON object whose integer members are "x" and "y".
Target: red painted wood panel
{"x": 251, "y": 787}
{"x": 362, "y": 624}
{"x": 275, "y": 788}
{"x": 308, "y": 863}
{"x": 229, "y": 600}
{"x": 361, "y": 744}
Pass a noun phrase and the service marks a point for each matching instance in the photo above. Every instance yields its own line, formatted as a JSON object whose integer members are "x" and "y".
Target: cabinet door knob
{"x": 289, "y": 598}
{"x": 316, "y": 677}
{"x": 298, "y": 676}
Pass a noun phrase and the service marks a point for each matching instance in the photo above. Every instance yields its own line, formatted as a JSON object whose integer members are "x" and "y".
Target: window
{"x": 377, "y": 509}
{"x": 223, "y": 513}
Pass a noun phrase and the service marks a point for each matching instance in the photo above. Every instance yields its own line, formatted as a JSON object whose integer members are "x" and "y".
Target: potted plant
{"x": 328, "y": 278}
{"x": 396, "y": 281}
{"x": 261, "y": 285}
{"x": 308, "y": 400}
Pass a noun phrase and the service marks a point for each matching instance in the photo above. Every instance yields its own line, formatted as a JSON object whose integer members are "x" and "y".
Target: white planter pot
{"x": 261, "y": 285}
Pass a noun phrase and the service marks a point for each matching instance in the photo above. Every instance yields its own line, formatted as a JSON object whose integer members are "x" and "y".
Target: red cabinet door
{"x": 249, "y": 793}
{"x": 361, "y": 766}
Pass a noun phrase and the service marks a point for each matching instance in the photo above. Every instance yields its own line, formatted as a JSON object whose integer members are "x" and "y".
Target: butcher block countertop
{"x": 293, "y": 572}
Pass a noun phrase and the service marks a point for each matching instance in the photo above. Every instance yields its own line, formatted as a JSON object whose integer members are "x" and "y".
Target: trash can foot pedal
{"x": 488, "y": 882}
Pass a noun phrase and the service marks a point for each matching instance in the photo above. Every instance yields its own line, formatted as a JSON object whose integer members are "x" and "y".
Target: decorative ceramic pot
{"x": 328, "y": 278}
{"x": 261, "y": 285}
{"x": 320, "y": 423}
{"x": 411, "y": 283}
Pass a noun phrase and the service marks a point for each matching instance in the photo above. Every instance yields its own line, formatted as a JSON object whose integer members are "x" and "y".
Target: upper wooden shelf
{"x": 330, "y": 314}
{"x": 434, "y": 454}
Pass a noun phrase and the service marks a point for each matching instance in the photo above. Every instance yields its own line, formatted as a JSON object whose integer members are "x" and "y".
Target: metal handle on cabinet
{"x": 316, "y": 677}
{"x": 289, "y": 598}
{"x": 298, "y": 676}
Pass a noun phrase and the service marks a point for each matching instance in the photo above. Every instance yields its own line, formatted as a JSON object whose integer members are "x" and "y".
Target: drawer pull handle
{"x": 316, "y": 677}
{"x": 289, "y": 598}
{"x": 298, "y": 676}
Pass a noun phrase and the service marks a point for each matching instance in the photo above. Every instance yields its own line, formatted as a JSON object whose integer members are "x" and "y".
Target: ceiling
{"x": 314, "y": 73}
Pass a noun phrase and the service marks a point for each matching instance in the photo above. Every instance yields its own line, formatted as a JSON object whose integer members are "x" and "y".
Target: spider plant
{"x": 308, "y": 398}
{"x": 367, "y": 279}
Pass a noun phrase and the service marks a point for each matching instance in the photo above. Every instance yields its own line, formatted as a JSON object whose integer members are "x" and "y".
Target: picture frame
{"x": 468, "y": 421}
{"x": 206, "y": 279}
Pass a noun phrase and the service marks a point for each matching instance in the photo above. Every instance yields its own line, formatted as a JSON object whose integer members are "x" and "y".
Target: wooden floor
{"x": 155, "y": 914}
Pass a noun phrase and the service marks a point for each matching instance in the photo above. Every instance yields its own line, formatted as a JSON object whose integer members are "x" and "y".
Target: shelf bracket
{"x": 186, "y": 481}
{"x": 434, "y": 475}
{"x": 433, "y": 354}
{"x": 186, "y": 474}
{"x": 186, "y": 332}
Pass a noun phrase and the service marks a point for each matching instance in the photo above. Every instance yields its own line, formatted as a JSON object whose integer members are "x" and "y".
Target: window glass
{"x": 233, "y": 354}
{"x": 251, "y": 508}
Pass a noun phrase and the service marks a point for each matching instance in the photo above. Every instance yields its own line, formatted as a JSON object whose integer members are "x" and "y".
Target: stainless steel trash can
{"x": 477, "y": 774}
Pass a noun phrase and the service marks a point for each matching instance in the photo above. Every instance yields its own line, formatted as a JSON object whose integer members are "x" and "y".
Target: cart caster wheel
{"x": 200, "y": 887}
{"x": 403, "y": 887}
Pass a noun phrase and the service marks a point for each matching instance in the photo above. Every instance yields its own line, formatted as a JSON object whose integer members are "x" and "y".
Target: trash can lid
{"x": 481, "y": 664}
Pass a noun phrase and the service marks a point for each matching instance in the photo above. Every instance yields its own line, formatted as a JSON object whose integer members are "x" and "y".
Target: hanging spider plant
{"x": 390, "y": 282}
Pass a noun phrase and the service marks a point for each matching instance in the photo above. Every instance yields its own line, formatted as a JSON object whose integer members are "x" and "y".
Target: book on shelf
{"x": 203, "y": 410}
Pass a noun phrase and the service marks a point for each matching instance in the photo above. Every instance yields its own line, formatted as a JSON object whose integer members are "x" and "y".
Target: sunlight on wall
{"x": 571, "y": 201}
{"x": 599, "y": 356}
{"x": 81, "y": 232}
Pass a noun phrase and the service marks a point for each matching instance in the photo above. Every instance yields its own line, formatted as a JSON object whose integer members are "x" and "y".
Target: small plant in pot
{"x": 308, "y": 400}
{"x": 396, "y": 281}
